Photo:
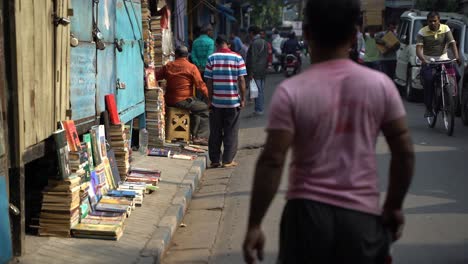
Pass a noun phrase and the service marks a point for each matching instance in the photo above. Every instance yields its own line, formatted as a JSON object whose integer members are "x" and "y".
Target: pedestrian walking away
{"x": 224, "y": 73}
{"x": 330, "y": 116}
{"x": 257, "y": 65}
{"x": 202, "y": 47}
{"x": 182, "y": 76}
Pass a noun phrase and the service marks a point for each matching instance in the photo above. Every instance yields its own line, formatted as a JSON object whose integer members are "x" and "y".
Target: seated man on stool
{"x": 181, "y": 77}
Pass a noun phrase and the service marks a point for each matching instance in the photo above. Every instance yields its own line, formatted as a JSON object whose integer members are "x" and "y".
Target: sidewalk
{"x": 148, "y": 230}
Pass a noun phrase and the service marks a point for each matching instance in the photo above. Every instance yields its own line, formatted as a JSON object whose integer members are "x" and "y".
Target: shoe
{"x": 255, "y": 114}
{"x": 231, "y": 164}
{"x": 200, "y": 141}
{"x": 428, "y": 113}
{"x": 215, "y": 165}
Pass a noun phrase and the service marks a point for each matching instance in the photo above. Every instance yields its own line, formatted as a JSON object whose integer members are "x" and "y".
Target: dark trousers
{"x": 388, "y": 67}
{"x": 224, "y": 130}
{"x": 313, "y": 232}
{"x": 374, "y": 65}
{"x": 199, "y": 117}
{"x": 427, "y": 78}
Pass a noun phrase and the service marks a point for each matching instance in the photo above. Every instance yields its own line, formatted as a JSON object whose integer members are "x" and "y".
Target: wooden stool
{"x": 177, "y": 124}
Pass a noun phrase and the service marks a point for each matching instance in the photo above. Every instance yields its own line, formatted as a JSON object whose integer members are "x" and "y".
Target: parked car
{"x": 459, "y": 30}
{"x": 408, "y": 64}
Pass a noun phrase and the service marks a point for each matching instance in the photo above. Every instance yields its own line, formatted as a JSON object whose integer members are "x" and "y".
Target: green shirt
{"x": 372, "y": 52}
{"x": 202, "y": 47}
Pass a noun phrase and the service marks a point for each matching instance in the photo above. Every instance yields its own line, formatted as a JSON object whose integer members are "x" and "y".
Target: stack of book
{"x": 85, "y": 206}
{"x": 119, "y": 143}
{"x": 147, "y": 36}
{"x": 156, "y": 35}
{"x": 78, "y": 161}
{"x": 145, "y": 11}
{"x": 60, "y": 207}
{"x": 148, "y": 176}
{"x": 155, "y": 117}
{"x": 101, "y": 225}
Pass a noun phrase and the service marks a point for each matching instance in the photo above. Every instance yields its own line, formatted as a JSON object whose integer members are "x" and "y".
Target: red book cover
{"x": 72, "y": 136}
{"x": 111, "y": 107}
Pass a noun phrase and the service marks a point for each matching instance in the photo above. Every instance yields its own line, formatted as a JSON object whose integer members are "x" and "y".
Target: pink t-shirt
{"x": 335, "y": 111}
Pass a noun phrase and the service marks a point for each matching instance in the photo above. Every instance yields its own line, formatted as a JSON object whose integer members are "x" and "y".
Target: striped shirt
{"x": 225, "y": 67}
{"x": 435, "y": 42}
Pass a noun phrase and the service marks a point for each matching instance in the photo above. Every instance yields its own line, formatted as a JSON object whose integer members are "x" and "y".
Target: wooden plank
{"x": 62, "y": 44}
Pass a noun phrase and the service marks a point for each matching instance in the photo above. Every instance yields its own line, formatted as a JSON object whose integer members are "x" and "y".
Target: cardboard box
{"x": 391, "y": 42}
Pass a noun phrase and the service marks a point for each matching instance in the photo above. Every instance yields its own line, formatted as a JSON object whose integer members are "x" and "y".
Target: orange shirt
{"x": 181, "y": 77}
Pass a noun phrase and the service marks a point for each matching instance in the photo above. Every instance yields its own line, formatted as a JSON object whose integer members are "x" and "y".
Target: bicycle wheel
{"x": 448, "y": 111}
{"x": 432, "y": 120}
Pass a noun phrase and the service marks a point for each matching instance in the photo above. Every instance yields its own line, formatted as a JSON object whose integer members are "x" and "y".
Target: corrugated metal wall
{"x": 95, "y": 73}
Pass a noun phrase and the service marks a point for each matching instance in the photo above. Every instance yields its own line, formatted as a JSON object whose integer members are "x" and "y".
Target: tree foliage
{"x": 437, "y": 5}
{"x": 266, "y": 13}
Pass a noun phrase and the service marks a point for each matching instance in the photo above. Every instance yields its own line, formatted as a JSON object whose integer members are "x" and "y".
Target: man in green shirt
{"x": 203, "y": 47}
{"x": 372, "y": 55}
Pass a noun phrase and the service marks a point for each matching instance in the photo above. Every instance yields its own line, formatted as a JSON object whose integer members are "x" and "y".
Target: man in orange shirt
{"x": 182, "y": 76}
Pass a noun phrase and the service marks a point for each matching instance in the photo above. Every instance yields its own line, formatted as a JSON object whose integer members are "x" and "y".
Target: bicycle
{"x": 445, "y": 90}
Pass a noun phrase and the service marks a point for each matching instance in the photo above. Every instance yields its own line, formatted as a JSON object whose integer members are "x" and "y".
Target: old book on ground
{"x": 72, "y": 135}
{"x": 100, "y": 231}
{"x": 62, "y": 153}
{"x": 111, "y": 107}
{"x": 60, "y": 207}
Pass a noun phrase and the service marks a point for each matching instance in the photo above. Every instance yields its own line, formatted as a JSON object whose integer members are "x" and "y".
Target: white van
{"x": 408, "y": 64}
{"x": 459, "y": 30}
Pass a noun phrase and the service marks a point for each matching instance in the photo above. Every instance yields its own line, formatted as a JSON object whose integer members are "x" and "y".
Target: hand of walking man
{"x": 394, "y": 220}
{"x": 253, "y": 245}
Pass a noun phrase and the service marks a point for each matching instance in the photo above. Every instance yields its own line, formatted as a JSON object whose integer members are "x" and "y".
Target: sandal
{"x": 231, "y": 164}
{"x": 215, "y": 165}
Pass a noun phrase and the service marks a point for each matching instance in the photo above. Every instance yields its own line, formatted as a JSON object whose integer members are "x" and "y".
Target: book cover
{"x": 95, "y": 144}
{"x": 120, "y": 208}
{"x": 111, "y": 107}
{"x": 113, "y": 166}
{"x": 108, "y": 174}
{"x": 117, "y": 193}
{"x": 102, "y": 141}
{"x": 88, "y": 141}
{"x": 72, "y": 135}
{"x": 107, "y": 125}
{"x": 62, "y": 153}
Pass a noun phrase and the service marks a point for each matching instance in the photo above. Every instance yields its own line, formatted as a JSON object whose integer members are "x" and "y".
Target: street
{"x": 436, "y": 207}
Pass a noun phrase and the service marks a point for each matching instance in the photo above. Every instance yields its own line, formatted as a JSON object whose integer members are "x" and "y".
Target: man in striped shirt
{"x": 224, "y": 74}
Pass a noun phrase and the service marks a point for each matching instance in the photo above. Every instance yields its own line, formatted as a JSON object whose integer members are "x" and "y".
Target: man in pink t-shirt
{"x": 330, "y": 116}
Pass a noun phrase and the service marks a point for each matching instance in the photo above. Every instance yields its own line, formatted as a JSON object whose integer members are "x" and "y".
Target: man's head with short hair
{"x": 222, "y": 41}
{"x": 433, "y": 20}
{"x": 181, "y": 51}
{"x": 207, "y": 29}
{"x": 341, "y": 18}
{"x": 254, "y": 30}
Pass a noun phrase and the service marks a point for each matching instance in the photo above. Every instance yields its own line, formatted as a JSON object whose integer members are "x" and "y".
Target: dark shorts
{"x": 313, "y": 232}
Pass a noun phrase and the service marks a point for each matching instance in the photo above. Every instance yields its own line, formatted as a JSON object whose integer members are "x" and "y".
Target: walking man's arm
{"x": 401, "y": 172}
{"x": 266, "y": 182}
{"x": 241, "y": 83}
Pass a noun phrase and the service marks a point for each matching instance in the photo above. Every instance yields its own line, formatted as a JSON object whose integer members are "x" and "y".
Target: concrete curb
{"x": 156, "y": 246}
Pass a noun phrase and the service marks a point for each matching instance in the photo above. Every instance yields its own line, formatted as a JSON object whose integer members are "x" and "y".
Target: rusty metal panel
{"x": 106, "y": 20}
{"x": 82, "y": 20}
{"x": 83, "y": 81}
{"x": 106, "y": 82}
